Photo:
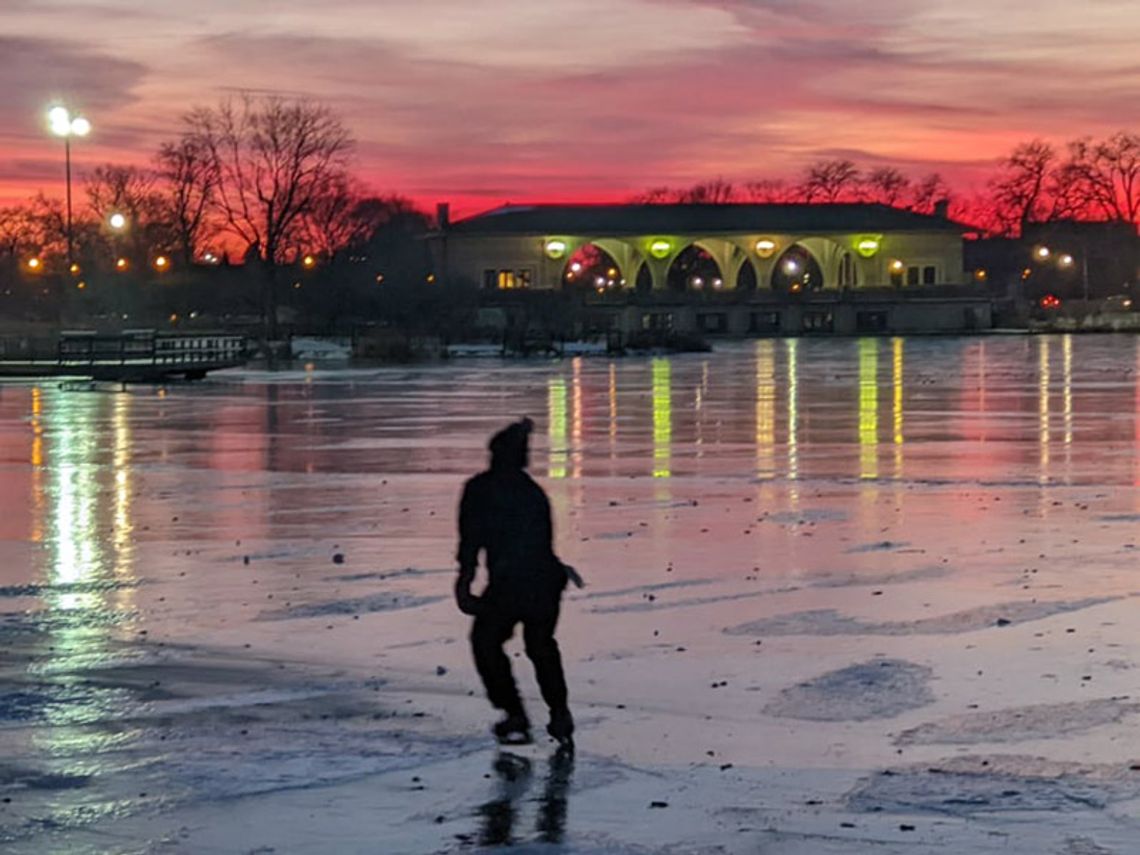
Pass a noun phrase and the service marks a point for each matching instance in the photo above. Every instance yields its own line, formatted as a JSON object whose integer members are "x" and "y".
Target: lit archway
{"x": 694, "y": 269}
{"x": 746, "y": 277}
{"x": 797, "y": 270}
{"x": 644, "y": 282}
{"x": 591, "y": 267}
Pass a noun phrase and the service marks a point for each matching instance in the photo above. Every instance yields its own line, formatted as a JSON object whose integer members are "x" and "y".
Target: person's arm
{"x": 470, "y": 542}
{"x": 557, "y": 563}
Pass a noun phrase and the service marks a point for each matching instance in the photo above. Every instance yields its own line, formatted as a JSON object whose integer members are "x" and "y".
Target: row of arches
{"x": 695, "y": 269}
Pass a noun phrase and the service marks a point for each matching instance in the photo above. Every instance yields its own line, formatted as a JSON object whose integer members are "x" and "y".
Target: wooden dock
{"x": 131, "y": 356}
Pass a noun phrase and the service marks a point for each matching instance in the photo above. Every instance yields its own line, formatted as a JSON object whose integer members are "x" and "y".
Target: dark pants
{"x": 495, "y": 624}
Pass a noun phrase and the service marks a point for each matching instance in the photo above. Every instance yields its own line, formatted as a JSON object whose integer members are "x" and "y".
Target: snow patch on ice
{"x": 964, "y": 786}
{"x": 831, "y": 622}
{"x": 880, "y": 688}
{"x": 1015, "y": 724}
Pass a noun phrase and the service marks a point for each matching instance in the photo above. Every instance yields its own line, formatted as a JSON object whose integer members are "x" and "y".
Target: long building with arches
{"x": 727, "y": 269}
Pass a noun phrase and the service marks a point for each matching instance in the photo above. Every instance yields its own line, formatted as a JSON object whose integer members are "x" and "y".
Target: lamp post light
{"x": 63, "y": 124}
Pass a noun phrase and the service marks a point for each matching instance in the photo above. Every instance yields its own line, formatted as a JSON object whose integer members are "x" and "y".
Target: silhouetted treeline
{"x": 1087, "y": 179}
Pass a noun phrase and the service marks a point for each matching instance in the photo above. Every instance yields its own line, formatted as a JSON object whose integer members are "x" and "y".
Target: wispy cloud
{"x": 587, "y": 98}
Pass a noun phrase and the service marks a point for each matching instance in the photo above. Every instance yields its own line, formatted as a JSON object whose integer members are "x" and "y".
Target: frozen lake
{"x": 845, "y": 596}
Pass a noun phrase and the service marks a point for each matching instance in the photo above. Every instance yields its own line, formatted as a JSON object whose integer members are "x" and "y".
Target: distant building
{"x": 732, "y": 269}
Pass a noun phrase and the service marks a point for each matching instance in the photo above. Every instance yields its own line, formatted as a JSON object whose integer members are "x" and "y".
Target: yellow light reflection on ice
{"x": 765, "y": 408}
{"x": 1067, "y": 361}
{"x": 1043, "y": 435}
{"x": 556, "y": 427}
{"x": 662, "y": 417}
{"x": 868, "y": 408}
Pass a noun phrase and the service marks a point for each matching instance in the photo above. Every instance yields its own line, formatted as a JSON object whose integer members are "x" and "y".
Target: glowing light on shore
{"x": 766, "y": 247}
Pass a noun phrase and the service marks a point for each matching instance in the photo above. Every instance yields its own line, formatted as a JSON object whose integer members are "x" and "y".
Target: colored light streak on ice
{"x": 556, "y": 427}
{"x": 73, "y": 535}
{"x": 1067, "y": 362}
{"x": 37, "y": 462}
{"x": 124, "y": 528}
{"x": 699, "y": 409}
{"x": 1136, "y": 423}
{"x": 576, "y": 450}
{"x": 791, "y": 347}
{"x": 765, "y": 408}
{"x": 868, "y": 408}
{"x": 898, "y": 388}
{"x": 1043, "y": 434}
{"x": 613, "y": 411}
{"x": 662, "y": 418}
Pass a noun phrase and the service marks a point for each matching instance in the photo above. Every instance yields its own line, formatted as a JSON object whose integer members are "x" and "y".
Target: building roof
{"x": 601, "y": 220}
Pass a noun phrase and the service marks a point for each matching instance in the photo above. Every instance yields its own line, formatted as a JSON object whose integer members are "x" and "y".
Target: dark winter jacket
{"x": 504, "y": 512}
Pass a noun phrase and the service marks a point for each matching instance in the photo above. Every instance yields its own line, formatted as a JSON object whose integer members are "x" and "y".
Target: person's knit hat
{"x": 510, "y": 446}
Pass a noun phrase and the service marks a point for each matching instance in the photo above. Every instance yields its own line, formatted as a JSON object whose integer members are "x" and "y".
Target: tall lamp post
{"x": 63, "y": 124}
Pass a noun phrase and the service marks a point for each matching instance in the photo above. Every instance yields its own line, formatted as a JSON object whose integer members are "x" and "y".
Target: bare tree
{"x": 715, "y": 192}
{"x": 16, "y": 233}
{"x": 1020, "y": 189}
{"x": 188, "y": 182}
{"x": 340, "y": 218}
{"x": 768, "y": 191}
{"x": 927, "y": 193}
{"x": 130, "y": 191}
{"x": 274, "y": 158}
{"x": 47, "y": 222}
{"x": 830, "y": 181}
{"x": 1110, "y": 175}
{"x": 886, "y": 185}
{"x": 654, "y": 196}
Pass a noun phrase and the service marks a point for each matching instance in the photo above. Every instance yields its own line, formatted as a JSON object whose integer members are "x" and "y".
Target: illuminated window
{"x": 523, "y": 278}
{"x": 507, "y": 280}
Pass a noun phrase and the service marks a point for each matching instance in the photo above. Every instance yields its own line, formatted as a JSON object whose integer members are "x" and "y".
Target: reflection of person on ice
{"x": 506, "y": 514}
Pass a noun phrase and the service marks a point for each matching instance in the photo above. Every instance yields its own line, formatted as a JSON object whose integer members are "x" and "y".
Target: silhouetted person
{"x": 507, "y": 515}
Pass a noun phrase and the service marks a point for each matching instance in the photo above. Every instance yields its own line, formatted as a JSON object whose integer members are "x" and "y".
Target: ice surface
{"x": 844, "y": 596}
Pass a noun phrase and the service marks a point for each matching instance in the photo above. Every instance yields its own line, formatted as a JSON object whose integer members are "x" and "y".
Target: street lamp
{"x": 63, "y": 124}
{"x": 117, "y": 222}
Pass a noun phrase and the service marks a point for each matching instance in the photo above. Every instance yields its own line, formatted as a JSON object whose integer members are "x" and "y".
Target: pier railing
{"x": 131, "y": 353}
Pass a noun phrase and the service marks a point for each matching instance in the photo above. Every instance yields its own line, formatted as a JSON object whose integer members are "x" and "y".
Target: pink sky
{"x": 574, "y": 100}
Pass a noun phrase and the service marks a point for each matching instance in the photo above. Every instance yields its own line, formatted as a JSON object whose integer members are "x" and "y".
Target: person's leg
{"x": 491, "y": 630}
{"x": 542, "y": 650}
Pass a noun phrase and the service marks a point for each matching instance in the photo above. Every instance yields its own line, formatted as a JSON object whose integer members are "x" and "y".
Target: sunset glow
{"x": 580, "y": 100}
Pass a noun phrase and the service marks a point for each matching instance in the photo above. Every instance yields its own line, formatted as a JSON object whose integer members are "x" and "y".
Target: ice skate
{"x": 561, "y": 729}
{"x": 512, "y": 730}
